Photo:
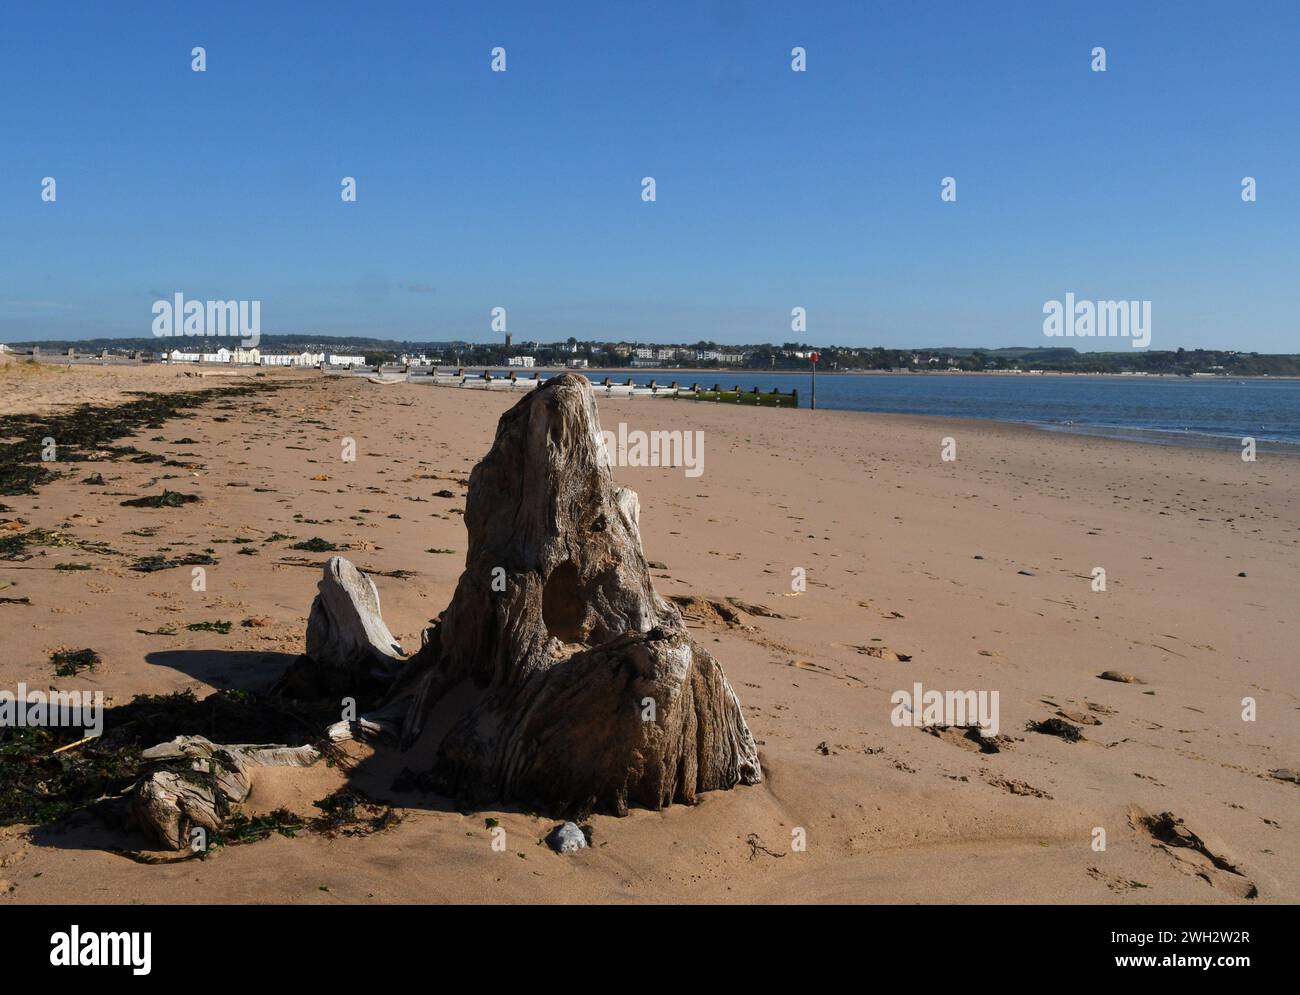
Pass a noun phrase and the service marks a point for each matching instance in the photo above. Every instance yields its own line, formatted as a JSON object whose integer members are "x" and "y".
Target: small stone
{"x": 1242, "y": 574}
{"x": 1115, "y": 675}
{"x": 567, "y": 838}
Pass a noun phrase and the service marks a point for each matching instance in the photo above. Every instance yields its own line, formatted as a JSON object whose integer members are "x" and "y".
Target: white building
{"x": 707, "y": 355}
{"x": 334, "y": 359}
{"x": 292, "y": 359}
{"x": 525, "y": 361}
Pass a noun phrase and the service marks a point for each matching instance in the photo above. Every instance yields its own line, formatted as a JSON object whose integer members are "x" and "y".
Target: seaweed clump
{"x": 167, "y": 499}
{"x": 1056, "y": 727}
{"x": 69, "y": 663}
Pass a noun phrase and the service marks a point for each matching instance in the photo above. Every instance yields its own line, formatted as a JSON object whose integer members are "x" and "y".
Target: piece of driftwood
{"x": 347, "y": 640}
{"x": 196, "y": 782}
{"x": 383, "y": 724}
{"x": 195, "y": 787}
{"x": 558, "y": 677}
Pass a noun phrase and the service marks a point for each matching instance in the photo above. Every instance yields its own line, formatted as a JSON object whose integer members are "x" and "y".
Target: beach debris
{"x": 1056, "y": 727}
{"x": 162, "y": 630}
{"x": 150, "y": 564}
{"x": 194, "y": 786}
{"x": 347, "y": 640}
{"x": 257, "y": 622}
{"x": 567, "y": 838}
{"x": 1286, "y": 774}
{"x": 566, "y": 683}
{"x": 15, "y": 601}
{"x": 656, "y": 565}
{"x": 84, "y": 432}
{"x": 48, "y": 773}
{"x": 970, "y": 738}
{"x": 167, "y": 499}
{"x": 15, "y": 546}
{"x": 1119, "y": 676}
{"x": 883, "y": 653}
{"x": 381, "y": 724}
{"x": 350, "y": 812}
{"x": 220, "y": 627}
{"x": 69, "y": 663}
{"x": 756, "y": 847}
{"x": 315, "y": 545}
{"x": 1196, "y": 853}
{"x": 192, "y": 782}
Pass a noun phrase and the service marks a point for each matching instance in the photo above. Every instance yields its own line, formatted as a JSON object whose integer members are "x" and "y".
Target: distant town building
{"x": 333, "y": 359}
{"x": 713, "y": 355}
{"x": 525, "y": 361}
{"x": 293, "y": 359}
{"x": 577, "y": 364}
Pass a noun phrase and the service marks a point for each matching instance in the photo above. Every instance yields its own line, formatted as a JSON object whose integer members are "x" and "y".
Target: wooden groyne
{"x": 607, "y": 387}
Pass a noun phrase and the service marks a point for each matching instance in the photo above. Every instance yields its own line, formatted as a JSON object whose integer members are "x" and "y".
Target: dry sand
{"x": 978, "y": 570}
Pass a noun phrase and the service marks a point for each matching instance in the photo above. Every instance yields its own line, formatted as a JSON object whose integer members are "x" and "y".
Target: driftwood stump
{"x": 557, "y": 677}
{"x": 197, "y": 783}
{"x": 347, "y": 641}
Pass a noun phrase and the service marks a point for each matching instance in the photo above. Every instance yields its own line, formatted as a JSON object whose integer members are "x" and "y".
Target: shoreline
{"x": 164, "y": 378}
{"x": 1141, "y": 434}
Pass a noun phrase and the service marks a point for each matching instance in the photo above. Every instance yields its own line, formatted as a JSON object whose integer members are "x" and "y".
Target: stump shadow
{"x": 241, "y": 670}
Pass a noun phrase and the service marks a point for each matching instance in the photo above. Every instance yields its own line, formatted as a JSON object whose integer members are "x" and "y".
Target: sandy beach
{"x": 974, "y": 573}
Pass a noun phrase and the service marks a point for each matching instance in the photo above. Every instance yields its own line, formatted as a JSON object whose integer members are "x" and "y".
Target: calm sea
{"x": 1200, "y": 411}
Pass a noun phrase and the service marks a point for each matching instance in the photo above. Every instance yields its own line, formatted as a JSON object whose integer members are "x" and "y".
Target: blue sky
{"x": 775, "y": 189}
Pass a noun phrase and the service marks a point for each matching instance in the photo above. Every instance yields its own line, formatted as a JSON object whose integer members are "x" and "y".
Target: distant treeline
{"x": 788, "y": 356}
